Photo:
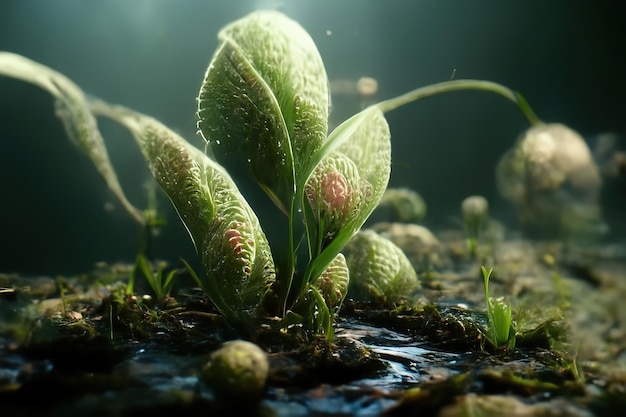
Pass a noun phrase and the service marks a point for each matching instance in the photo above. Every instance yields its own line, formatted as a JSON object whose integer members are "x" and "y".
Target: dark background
{"x": 56, "y": 215}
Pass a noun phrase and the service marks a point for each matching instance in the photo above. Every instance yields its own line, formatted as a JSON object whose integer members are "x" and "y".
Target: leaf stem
{"x": 458, "y": 85}
{"x": 291, "y": 257}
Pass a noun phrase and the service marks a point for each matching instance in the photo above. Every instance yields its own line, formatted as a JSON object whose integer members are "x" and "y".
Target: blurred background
{"x": 57, "y": 217}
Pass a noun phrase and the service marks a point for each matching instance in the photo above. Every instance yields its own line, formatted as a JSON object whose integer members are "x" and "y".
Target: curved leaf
{"x": 234, "y": 252}
{"x": 265, "y": 94}
{"x": 347, "y": 184}
{"x": 72, "y": 108}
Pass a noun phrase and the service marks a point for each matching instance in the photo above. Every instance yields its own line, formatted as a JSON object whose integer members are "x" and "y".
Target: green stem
{"x": 316, "y": 251}
{"x": 291, "y": 257}
{"x": 458, "y": 85}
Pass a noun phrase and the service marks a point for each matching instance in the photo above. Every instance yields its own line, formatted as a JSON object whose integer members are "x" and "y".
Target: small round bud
{"x": 475, "y": 208}
{"x": 237, "y": 373}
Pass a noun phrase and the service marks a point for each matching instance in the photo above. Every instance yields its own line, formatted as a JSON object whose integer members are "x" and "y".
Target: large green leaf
{"x": 71, "y": 107}
{"x": 265, "y": 94}
{"x": 347, "y": 184}
{"x": 234, "y": 252}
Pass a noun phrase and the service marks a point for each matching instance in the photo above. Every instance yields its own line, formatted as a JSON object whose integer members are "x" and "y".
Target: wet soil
{"x": 80, "y": 345}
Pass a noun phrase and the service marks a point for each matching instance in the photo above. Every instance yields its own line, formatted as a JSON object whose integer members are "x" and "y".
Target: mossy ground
{"x": 80, "y": 344}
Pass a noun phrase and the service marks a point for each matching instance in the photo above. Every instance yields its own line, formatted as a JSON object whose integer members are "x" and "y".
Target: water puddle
{"x": 406, "y": 363}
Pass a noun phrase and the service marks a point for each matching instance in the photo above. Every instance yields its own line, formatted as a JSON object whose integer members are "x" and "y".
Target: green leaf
{"x": 347, "y": 184}
{"x": 379, "y": 270}
{"x": 332, "y": 284}
{"x": 169, "y": 281}
{"x": 234, "y": 252}
{"x": 320, "y": 314}
{"x": 265, "y": 94}
{"x": 143, "y": 266}
{"x": 72, "y": 108}
{"x": 500, "y": 318}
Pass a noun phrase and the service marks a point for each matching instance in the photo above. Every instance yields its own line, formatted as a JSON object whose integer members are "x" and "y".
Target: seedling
{"x": 265, "y": 99}
{"x": 160, "y": 282}
{"x": 501, "y": 333}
